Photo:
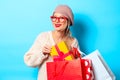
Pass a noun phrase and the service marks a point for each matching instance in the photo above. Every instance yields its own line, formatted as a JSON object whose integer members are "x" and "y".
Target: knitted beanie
{"x": 66, "y": 11}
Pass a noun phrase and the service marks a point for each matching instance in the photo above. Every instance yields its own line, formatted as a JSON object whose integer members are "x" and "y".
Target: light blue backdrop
{"x": 97, "y": 26}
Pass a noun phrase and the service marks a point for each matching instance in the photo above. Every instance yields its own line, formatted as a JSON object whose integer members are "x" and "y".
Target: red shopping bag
{"x": 77, "y": 69}
{"x": 87, "y": 70}
{"x": 64, "y": 70}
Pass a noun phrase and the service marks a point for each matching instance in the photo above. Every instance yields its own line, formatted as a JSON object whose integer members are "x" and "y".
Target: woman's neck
{"x": 59, "y": 36}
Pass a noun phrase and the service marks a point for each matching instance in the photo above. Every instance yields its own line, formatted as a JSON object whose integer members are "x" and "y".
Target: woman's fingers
{"x": 46, "y": 49}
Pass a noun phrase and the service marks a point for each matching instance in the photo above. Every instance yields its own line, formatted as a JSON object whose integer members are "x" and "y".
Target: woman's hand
{"x": 46, "y": 50}
{"x": 76, "y": 53}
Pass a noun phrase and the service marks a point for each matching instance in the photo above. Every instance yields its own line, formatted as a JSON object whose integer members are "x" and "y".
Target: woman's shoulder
{"x": 73, "y": 39}
{"x": 74, "y": 42}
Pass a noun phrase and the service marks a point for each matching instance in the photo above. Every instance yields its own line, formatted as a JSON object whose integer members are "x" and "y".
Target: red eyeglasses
{"x": 60, "y": 19}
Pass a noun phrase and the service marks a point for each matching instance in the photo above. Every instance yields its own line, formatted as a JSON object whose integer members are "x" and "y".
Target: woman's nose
{"x": 58, "y": 20}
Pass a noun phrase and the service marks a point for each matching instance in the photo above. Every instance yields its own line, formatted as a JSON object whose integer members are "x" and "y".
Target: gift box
{"x": 61, "y": 52}
{"x": 64, "y": 70}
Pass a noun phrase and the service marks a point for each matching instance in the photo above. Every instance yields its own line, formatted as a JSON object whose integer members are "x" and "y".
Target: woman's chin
{"x": 57, "y": 29}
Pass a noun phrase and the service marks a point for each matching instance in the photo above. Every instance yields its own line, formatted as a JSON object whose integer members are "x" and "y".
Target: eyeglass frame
{"x": 58, "y": 18}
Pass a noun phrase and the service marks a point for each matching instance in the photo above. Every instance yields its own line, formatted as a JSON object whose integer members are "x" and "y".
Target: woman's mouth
{"x": 58, "y": 25}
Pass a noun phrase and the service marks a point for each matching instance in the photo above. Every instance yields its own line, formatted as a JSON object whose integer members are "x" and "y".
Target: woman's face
{"x": 59, "y": 21}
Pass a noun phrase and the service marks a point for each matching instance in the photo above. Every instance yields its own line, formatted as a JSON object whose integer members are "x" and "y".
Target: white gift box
{"x": 101, "y": 70}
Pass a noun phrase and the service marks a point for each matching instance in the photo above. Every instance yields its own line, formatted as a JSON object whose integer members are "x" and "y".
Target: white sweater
{"x": 34, "y": 56}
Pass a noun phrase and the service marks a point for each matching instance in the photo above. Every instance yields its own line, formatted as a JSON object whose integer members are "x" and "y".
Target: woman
{"x": 38, "y": 54}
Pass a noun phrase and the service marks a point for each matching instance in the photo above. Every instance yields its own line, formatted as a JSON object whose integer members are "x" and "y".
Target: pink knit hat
{"x": 66, "y": 11}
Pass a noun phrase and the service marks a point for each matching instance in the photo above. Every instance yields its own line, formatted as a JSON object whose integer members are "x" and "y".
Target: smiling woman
{"x": 96, "y": 26}
{"x": 60, "y": 23}
{"x": 39, "y": 53}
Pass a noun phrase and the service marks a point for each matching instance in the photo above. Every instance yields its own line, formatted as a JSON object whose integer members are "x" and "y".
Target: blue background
{"x": 97, "y": 26}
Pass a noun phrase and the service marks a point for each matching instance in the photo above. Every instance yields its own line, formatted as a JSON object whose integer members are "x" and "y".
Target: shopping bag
{"x": 64, "y": 70}
{"x": 61, "y": 52}
{"x": 101, "y": 70}
{"x": 87, "y": 69}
